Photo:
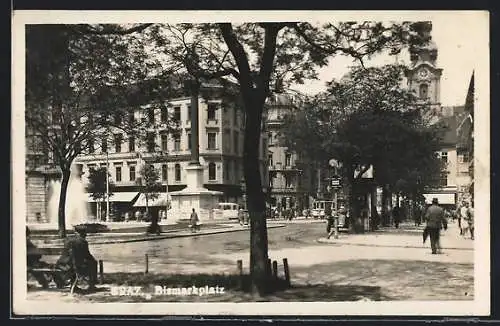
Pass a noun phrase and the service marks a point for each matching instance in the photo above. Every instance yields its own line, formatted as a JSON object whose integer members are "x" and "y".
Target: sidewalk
{"x": 111, "y": 238}
{"x": 450, "y": 239}
{"x": 376, "y": 266}
{"x": 370, "y": 246}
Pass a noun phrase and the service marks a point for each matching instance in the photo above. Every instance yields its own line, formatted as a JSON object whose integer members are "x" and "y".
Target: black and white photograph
{"x": 250, "y": 163}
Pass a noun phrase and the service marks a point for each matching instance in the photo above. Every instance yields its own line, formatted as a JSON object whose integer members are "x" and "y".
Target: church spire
{"x": 469, "y": 99}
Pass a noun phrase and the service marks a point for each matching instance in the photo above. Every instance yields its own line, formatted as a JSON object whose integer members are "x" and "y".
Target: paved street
{"x": 373, "y": 266}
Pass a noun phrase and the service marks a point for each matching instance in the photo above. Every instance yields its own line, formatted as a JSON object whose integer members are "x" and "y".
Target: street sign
{"x": 335, "y": 182}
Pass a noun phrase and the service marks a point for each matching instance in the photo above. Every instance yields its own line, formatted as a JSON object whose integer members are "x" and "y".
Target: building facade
{"x": 424, "y": 80}
{"x": 290, "y": 177}
{"x": 465, "y": 147}
{"x": 221, "y": 135}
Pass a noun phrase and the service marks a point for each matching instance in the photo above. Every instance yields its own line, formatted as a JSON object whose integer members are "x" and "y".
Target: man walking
{"x": 396, "y": 214}
{"x": 195, "y": 221}
{"x": 468, "y": 223}
{"x": 435, "y": 219}
{"x": 463, "y": 213}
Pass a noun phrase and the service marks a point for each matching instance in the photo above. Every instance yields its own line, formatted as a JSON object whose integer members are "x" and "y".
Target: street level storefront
{"x": 156, "y": 207}
{"x": 120, "y": 202}
{"x": 446, "y": 199}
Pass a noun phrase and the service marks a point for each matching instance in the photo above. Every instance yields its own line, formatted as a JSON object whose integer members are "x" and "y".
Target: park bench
{"x": 49, "y": 273}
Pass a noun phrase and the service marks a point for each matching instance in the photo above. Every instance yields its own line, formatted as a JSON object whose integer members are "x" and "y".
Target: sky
{"x": 459, "y": 35}
{"x": 458, "y": 56}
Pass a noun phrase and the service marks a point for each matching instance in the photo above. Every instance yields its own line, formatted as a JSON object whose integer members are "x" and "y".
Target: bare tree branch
{"x": 238, "y": 53}
{"x": 108, "y": 30}
{"x": 266, "y": 64}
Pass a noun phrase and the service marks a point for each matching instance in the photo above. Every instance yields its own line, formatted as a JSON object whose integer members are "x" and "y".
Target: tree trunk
{"x": 97, "y": 213}
{"x": 62, "y": 203}
{"x": 355, "y": 208}
{"x": 373, "y": 208}
{"x": 147, "y": 208}
{"x": 385, "y": 213}
{"x": 255, "y": 198}
{"x": 350, "y": 197}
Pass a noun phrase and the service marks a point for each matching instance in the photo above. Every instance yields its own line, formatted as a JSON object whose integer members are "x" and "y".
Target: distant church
{"x": 424, "y": 79}
{"x": 423, "y": 75}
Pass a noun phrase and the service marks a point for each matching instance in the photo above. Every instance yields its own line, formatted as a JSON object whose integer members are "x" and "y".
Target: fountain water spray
{"x": 77, "y": 206}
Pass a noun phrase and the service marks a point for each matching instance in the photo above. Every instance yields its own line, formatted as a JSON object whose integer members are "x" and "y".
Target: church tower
{"x": 423, "y": 75}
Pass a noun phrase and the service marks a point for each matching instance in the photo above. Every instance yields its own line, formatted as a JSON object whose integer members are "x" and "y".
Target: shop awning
{"x": 162, "y": 200}
{"x": 125, "y": 197}
{"x": 443, "y": 198}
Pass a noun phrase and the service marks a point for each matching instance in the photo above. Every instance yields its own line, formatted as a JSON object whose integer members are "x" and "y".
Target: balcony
{"x": 212, "y": 123}
{"x": 286, "y": 190}
{"x": 280, "y": 167}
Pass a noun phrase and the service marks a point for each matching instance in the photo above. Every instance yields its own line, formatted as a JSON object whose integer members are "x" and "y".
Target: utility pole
{"x": 107, "y": 187}
{"x": 167, "y": 203}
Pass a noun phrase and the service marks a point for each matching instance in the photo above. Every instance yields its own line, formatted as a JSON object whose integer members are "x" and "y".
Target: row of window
{"x": 164, "y": 114}
{"x": 212, "y": 175}
{"x": 151, "y": 143}
{"x": 118, "y": 117}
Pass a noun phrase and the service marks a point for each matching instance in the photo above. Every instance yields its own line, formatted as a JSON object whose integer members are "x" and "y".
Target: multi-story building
{"x": 424, "y": 79}
{"x": 465, "y": 147}
{"x": 290, "y": 182}
{"x": 38, "y": 173}
{"x": 221, "y": 133}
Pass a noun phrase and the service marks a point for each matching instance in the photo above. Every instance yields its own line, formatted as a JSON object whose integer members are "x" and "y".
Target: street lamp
{"x": 164, "y": 159}
{"x": 107, "y": 186}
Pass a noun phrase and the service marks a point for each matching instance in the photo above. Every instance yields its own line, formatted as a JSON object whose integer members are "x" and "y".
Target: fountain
{"x": 77, "y": 206}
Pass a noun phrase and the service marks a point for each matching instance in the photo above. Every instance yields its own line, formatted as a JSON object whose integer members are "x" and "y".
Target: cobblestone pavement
{"x": 371, "y": 266}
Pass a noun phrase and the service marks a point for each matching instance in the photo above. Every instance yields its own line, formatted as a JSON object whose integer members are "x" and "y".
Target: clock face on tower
{"x": 423, "y": 73}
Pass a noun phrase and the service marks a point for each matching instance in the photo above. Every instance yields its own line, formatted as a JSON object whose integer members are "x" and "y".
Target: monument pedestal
{"x": 194, "y": 196}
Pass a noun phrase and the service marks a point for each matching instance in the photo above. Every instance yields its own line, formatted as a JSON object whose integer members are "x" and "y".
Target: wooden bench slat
{"x": 48, "y": 270}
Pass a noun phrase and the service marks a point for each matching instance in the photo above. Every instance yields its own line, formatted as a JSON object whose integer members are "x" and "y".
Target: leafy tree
{"x": 368, "y": 120}
{"x": 259, "y": 58}
{"x": 150, "y": 187}
{"x": 79, "y": 85}
{"x": 97, "y": 186}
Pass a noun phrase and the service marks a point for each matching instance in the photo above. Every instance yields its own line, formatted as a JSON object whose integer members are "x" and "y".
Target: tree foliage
{"x": 97, "y": 183}
{"x": 259, "y": 58}
{"x": 367, "y": 119}
{"x": 80, "y": 87}
{"x": 148, "y": 182}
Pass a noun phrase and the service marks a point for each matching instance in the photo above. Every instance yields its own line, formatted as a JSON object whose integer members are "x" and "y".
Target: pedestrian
{"x": 468, "y": 223}
{"x": 195, "y": 221}
{"x": 396, "y": 215}
{"x": 471, "y": 222}
{"x": 435, "y": 219}
{"x": 241, "y": 217}
{"x": 331, "y": 226}
{"x": 462, "y": 217}
{"x": 418, "y": 214}
{"x": 138, "y": 215}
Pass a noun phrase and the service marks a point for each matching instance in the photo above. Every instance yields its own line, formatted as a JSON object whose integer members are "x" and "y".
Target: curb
{"x": 324, "y": 241}
{"x": 162, "y": 237}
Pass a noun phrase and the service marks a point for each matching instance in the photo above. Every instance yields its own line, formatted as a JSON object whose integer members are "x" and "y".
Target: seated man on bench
{"x": 76, "y": 261}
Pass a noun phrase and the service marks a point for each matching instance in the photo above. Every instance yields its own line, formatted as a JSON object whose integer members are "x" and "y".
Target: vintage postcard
{"x": 271, "y": 163}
